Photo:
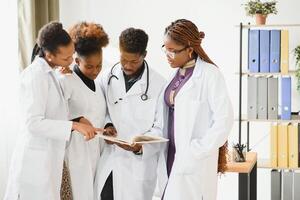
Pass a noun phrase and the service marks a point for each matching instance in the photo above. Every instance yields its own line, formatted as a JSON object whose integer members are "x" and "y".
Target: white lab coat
{"x": 203, "y": 118}
{"x": 134, "y": 176}
{"x": 37, "y": 163}
{"x": 81, "y": 155}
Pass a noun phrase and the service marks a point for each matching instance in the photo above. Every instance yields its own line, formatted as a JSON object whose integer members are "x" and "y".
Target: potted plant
{"x": 297, "y": 56}
{"x": 260, "y": 10}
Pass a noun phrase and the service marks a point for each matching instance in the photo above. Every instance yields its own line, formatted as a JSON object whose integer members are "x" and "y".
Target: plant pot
{"x": 260, "y": 19}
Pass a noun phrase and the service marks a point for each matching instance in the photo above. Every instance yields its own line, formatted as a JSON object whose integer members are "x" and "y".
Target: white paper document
{"x": 139, "y": 139}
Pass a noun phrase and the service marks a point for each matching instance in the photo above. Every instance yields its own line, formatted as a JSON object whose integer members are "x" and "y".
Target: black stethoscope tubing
{"x": 144, "y": 96}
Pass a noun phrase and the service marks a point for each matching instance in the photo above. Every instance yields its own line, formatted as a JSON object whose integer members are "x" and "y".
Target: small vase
{"x": 260, "y": 19}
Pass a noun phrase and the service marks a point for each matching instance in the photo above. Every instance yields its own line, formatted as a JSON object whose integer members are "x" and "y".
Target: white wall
{"x": 8, "y": 86}
{"x": 217, "y": 19}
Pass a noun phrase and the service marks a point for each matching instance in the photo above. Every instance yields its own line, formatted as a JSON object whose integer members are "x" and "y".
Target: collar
{"x": 87, "y": 81}
{"x": 44, "y": 65}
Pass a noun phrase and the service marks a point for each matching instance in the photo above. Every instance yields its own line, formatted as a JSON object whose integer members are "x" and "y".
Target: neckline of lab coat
{"x": 44, "y": 65}
{"x": 196, "y": 74}
{"x": 137, "y": 88}
{"x": 85, "y": 86}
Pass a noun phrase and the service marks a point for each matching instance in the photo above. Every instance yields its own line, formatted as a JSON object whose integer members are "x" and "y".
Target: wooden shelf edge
{"x": 295, "y": 119}
{"x": 243, "y": 167}
{"x": 265, "y": 164}
{"x": 292, "y": 72}
{"x": 268, "y": 25}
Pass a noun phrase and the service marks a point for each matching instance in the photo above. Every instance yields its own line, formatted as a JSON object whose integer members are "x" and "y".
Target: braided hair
{"x": 186, "y": 33}
{"x": 89, "y": 38}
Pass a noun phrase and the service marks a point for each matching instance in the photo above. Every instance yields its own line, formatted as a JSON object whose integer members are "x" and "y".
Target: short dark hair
{"x": 50, "y": 37}
{"x": 89, "y": 38}
{"x": 133, "y": 40}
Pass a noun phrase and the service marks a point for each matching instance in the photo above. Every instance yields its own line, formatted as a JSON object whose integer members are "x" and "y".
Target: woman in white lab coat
{"x": 86, "y": 104}
{"x": 132, "y": 91}
{"x": 37, "y": 163}
{"x": 198, "y": 115}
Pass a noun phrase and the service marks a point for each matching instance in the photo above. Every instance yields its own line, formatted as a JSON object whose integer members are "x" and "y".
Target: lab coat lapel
{"x": 193, "y": 80}
{"x": 118, "y": 86}
{"x": 52, "y": 74}
{"x": 140, "y": 86}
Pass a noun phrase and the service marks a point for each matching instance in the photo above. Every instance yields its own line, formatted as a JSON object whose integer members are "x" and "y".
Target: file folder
{"x": 274, "y": 51}
{"x": 253, "y": 51}
{"x": 252, "y": 97}
{"x": 272, "y": 98}
{"x": 286, "y": 98}
{"x": 284, "y": 53}
{"x": 287, "y": 185}
{"x": 296, "y": 185}
{"x": 274, "y": 146}
{"x": 262, "y": 98}
{"x": 275, "y": 185}
{"x": 282, "y": 145}
{"x": 293, "y": 145}
{"x": 264, "y": 51}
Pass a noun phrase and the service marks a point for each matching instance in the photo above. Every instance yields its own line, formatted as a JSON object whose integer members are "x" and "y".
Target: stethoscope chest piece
{"x": 144, "y": 97}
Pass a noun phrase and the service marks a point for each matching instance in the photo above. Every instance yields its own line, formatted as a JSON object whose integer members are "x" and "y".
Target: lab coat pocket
{"x": 144, "y": 169}
{"x": 35, "y": 165}
{"x": 189, "y": 165}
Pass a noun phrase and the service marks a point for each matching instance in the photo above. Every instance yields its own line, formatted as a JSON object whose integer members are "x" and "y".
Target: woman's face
{"x": 90, "y": 65}
{"x": 177, "y": 54}
{"x": 63, "y": 57}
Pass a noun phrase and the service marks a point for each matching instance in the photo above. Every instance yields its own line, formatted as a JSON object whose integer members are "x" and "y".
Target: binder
{"x": 274, "y": 146}
{"x": 293, "y": 145}
{"x": 272, "y": 98}
{"x": 298, "y": 145}
{"x": 284, "y": 52}
{"x": 274, "y": 50}
{"x": 296, "y": 185}
{"x": 286, "y": 98}
{"x": 264, "y": 51}
{"x": 282, "y": 146}
{"x": 275, "y": 185}
{"x": 287, "y": 185}
{"x": 253, "y": 51}
{"x": 252, "y": 97}
{"x": 262, "y": 98}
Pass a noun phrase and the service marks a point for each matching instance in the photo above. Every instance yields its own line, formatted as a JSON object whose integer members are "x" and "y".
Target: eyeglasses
{"x": 173, "y": 53}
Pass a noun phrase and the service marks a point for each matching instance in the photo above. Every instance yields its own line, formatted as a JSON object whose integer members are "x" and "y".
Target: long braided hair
{"x": 186, "y": 33}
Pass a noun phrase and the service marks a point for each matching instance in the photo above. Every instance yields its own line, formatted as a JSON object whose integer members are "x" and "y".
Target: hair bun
{"x": 201, "y": 35}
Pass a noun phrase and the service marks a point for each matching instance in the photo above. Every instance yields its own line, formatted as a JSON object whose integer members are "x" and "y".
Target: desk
{"x": 247, "y": 176}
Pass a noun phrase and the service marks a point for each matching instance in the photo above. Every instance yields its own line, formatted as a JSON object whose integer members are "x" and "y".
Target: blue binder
{"x": 253, "y": 51}
{"x": 286, "y": 93}
{"x": 274, "y": 50}
{"x": 264, "y": 51}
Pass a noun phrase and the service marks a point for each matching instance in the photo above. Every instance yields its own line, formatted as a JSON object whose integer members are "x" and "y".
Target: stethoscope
{"x": 144, "y": 96}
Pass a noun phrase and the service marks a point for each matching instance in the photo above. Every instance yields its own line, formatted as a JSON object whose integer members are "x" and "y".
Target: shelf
{"x": 295, "y": 119}
{"x": 291, "y": 72}
{"x": 243, "y": 167}
{"x": 268, "y": 25}
{"x": 265, "y": 164}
